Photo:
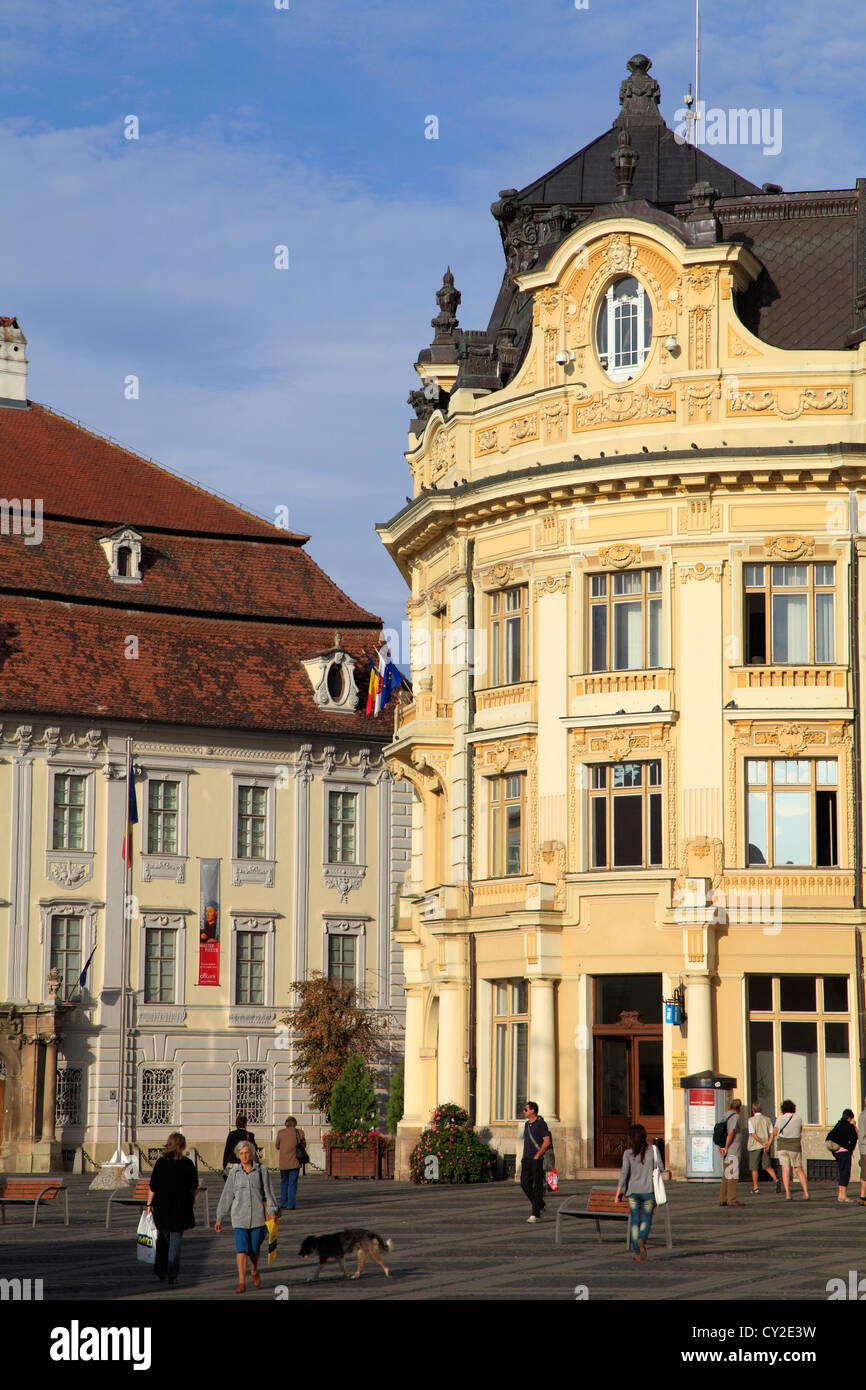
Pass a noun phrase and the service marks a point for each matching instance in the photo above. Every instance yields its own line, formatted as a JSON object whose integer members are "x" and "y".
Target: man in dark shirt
{"x": 536, "y": 1142}
{"x": 239, "y": 1132}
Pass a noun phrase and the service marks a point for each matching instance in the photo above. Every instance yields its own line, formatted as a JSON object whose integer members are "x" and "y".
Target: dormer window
{"x": 624, "y": 329}
{"x": 332, "y": 676}
{"x": 122, "y": 550}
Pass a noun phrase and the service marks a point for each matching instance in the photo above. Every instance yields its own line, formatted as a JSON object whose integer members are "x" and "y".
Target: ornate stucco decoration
{"x": 551, "y": 869}
{"x": 70, "y": 872}
{"x": 619, "y": 255}
{"x": 737, "y": 348}
{"x": 551, "y": 584}
{"x": 23, "y": 736}
{"x": 702, "y": 857}
{"x": 699, "y": 571}
{"x": 788, "y": 402}
{"x": 507, "y": 433}
{"x": 344, "y": 877}
{"x": 442, "y": 453}
{"x": 624, "y": 407}
{"x": 156, "y": 868}
{"x": 620, "y": 556}
{"x": 700, "y": 515}
{"x": 699, "y": 398}
{"x": 501, "y": 575}
{"x": 789, "y": 547}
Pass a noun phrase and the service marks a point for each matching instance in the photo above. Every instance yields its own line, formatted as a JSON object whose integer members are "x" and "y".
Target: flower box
{"x": 371, "y": 1156}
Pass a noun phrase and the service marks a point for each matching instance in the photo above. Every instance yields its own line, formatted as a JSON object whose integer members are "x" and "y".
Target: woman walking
{"x": 844, "y": 1134}
{"x": 173, "y": 1189}
{"x": 787, "y": 1133}
{"x": 636, "y": 1181}
{"x": 248, "y": 1197}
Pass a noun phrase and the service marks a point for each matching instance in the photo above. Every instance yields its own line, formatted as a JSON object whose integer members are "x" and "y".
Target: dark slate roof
{"x": 811, "y": 292}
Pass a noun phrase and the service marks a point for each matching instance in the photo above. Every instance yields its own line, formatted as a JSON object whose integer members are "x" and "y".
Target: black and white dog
{"x": 342, "y": 1243}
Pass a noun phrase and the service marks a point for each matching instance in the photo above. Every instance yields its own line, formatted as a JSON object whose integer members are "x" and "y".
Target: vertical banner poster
{"x": 209, "y": 924}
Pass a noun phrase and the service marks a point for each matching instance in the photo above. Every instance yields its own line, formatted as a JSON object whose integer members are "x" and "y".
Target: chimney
{"x": 13, "y": 365}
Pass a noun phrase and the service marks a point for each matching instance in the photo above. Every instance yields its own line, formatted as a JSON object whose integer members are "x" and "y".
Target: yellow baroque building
{"x": 633, "y": 551}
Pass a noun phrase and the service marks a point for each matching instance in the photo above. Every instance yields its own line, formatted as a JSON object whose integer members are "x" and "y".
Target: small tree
{"x": 353, "y": 1099}
{"x": 394, "y": 1113}
{"x": 330, "y": 1024}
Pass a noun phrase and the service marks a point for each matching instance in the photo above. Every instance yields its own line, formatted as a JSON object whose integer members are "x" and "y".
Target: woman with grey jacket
{"x": 249, "y": 1198}
{"x": 636, "y": 1181}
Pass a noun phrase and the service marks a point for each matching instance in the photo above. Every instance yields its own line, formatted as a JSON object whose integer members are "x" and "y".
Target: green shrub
{"x": 394, "y": 1112}
{"x": 460, "y": 1156}
{"x": 353, "y": 1099}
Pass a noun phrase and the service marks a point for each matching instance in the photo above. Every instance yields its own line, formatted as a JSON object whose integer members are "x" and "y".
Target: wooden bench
{"x": 601, "y": 1206}
{"x": 138, "y": 1198}
{"x": 20, "y": 1191}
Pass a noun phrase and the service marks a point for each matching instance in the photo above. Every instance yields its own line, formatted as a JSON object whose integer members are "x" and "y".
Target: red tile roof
{"x": 81, "y": 474}
{"x": 228, "y": 609}
{"x": 63, "y": 660}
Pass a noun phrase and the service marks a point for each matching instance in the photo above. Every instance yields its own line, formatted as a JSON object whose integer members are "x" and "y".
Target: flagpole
{"x": 119, "y": 1158}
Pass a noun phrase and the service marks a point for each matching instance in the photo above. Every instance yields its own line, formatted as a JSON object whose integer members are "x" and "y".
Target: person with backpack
{"x": 726, "y": 1136}
{"x": 758, "y": 1147}
{"x": 787, "y": 1133}
{"x": 842, "y": 1141}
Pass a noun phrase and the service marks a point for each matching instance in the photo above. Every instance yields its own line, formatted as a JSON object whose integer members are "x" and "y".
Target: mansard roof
{"x": 810, "y": 293}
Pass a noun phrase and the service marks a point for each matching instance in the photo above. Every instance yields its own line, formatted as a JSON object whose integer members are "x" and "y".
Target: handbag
{"x": 301, "y": 1151}
{"x": 552, "y": 1180}
{"x": 145, "y": 1240}
{"x": 659, "y": 1192}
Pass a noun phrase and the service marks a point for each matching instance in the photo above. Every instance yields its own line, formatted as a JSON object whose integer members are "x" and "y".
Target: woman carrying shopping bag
{"x": 248, "y": 1197}
{"x": 173, "y": 1188}
{"x": 639, "y": 1163}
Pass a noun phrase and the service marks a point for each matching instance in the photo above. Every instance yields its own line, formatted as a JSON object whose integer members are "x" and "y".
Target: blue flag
{"x": 82, "y": 978}
{"x": 393, "y": 679}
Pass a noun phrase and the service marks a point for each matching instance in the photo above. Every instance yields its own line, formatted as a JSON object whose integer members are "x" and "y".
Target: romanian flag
{"x": 131, "y": 817}
{"x": 373, "y": 691}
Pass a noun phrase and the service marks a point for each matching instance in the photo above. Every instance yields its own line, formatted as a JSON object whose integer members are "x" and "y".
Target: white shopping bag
{"x": 146, "y": 1239}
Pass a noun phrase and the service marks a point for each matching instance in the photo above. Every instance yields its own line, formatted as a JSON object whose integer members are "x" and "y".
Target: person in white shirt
{"x": 787, "y": 1133}
{"x": 758, "y": 1146}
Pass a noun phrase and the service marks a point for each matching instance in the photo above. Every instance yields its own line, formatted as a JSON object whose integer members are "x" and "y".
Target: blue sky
{"x": 305, "y": 127}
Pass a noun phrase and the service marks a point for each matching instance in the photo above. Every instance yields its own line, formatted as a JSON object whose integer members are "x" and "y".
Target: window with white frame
{"x": 789, "y": 614}
{"x": 252, "y": 822}
{"x": 157, "y": 1096}
{"x": 160, "y": 962}
{"x": 800, "y": 1044}
{"x": 251, "y": 1094}
{"x": 163, "y": 804}
{"x": 625, "y": 815}
{"x": 508, "y": 617}
{"x": 510, "y": 1048}
{"x": 624, "y": 328}
{"x": 791, "y": 812}
{"x": 70, "y": 791}
{"x": 67, "y": 1100}
{"x": 625, "y": 620}
{"x": 65, "y": 953}
{"x": 342, "y": 827}
{"x": 250, "y": 962}
{"x": 342, "y": 958}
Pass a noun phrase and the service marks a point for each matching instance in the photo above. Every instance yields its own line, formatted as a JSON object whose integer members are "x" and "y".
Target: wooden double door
{"x": 629, "y": 1088}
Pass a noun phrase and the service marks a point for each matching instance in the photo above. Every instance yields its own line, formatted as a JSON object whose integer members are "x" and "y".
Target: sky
{"x": 304, "y": 127}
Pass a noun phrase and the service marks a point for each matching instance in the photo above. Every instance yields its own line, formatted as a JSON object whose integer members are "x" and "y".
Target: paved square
{"x": 468, "y": 1242}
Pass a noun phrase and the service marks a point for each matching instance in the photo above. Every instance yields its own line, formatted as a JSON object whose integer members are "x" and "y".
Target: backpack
{"x": 720, "y": 1134}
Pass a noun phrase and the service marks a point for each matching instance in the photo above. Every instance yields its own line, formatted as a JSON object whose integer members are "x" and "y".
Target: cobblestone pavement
{"x": 468, "y": 1242}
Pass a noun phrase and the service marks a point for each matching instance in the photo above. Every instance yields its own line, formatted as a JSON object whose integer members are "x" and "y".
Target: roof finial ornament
{"x": 445, "y": 322}
{"x": 624, "y": 160}
{"x": 639, "y": 94}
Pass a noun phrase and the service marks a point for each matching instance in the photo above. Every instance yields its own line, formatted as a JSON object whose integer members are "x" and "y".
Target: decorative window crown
{"x": 332, "y": 676}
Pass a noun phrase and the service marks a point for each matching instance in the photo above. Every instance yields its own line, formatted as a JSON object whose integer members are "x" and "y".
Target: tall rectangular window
{"x": 625, "y": 815}
{"x": 69, "y": 792}
{"x": 510, "y": 1048}
{"x": 252, "y": 822}
{"x": 162, "y": 799}
{"x": 66, "y": 952}
{"x": 625, "y": 620}
{"x": 789, "y": 615}
{"x": 796, "y": 1052}
{"x": 159, "y": 965}
{"x": 250, "y": 968}
{"x": 507, "y": 851}
{"x": 791, "y": 812}
{"x": 341, "y": 958}
{"x": 508, "y": 618}
{"x": 342, "y": 820}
